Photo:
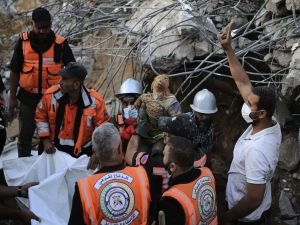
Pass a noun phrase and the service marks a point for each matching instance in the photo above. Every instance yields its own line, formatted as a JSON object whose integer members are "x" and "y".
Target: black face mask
{"x": 167, "y": 168}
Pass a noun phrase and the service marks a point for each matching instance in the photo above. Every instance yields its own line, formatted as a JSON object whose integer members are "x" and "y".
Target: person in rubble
{"x": 152, "y": 106}
{"x": 9, "y": 213}
{"x": 38, "y": 56}
{"x": 180, "y": 126}
{"x": 191, "y": 196}
{"x": 256, "y": 152}
{"x": 196, "y": 126}
{"x": 126, "y": 122}
{"x": 68, "y": 113}
{"x": 115, "y": 194}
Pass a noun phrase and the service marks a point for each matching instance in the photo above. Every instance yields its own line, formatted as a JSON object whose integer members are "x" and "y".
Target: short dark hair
{"x": 267, "y": 99}
{"x": 41, "y": 17}
{"x": 181, "y": 151}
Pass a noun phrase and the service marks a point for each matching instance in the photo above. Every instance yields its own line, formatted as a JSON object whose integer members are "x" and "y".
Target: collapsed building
{"x": 141, "y": 39}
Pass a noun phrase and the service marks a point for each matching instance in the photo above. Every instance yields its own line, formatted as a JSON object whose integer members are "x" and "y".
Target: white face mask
{"x": 246, "y": 113}
{"x": 130, "y": 112}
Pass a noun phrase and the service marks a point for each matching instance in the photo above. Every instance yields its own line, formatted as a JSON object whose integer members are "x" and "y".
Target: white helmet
{"x": 204, "y": 102}
{"x": 130, "y": 86}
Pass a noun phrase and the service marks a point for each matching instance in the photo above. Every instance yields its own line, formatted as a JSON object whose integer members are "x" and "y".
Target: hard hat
{"x": 130, "y": 86}
{"x": 204, "y": 102}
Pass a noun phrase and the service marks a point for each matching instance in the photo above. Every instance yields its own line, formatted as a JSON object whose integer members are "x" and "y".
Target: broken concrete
{"x": 293, "y": 78}
{"x": 289, "y": 151}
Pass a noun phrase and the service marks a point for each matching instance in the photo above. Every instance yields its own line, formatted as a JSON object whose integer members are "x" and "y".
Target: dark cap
{"x": 179, "y": 125}
{"x": 73, "y": 70}
{"x": 41, "y": 17}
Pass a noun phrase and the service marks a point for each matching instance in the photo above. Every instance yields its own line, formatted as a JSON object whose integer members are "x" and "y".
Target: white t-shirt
{"x": 254, "y": 161}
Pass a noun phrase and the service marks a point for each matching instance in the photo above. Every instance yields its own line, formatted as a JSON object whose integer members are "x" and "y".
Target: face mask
{"x": 130, "y": 112}
{"x": 246, "y": 113}
{"x": 167, "y": 168}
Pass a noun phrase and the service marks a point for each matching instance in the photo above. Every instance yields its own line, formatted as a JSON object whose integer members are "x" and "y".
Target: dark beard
{"x": 255, "y": 117}
{"x": 39, "y": 44}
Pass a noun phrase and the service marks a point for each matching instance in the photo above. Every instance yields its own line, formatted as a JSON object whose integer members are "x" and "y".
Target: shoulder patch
{"x": 144, "y": 159}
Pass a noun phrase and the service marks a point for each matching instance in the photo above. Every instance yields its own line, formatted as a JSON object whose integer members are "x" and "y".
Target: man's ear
{"x": 262, "y": 114}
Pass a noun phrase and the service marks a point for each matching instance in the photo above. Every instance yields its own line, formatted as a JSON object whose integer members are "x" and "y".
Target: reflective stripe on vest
{"x": 39, "y": 72}
{"x": 160, "y": 171}
{"x": 197, "y": 198}
{"x": 120, "y": 119}
{"x": 200, "y": 162}
{"x": 120, "y": 197}
{"x": 92, "y": 217}
{"x": 120, "y": 122}
{"x": 189, "y": 209}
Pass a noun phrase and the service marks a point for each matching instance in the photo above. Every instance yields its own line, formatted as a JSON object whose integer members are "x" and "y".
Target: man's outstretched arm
{"x": 237, "y": 71}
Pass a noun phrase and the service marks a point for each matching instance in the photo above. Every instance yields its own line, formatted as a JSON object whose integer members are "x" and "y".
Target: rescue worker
{"x": 68, "y": 113}
{"x": 179, "y": 125}
{"x": 152, "y": 106}
{"x": 256, "y": 153}
{"x": 116, "y": 194}
{"x": 126, "y": 122}
{"x": 8, "y": 213}
{"x": 191, "y": 197}
{"x": 196, "y": 126}
{"x": 38, "y": 56}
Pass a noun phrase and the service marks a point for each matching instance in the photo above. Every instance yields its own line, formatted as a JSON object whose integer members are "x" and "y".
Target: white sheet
{"x": 51, "y": 200}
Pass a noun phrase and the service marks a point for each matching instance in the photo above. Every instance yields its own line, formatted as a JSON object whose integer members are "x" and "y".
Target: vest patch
{"x": 206, "y": 204}
{"x": 144, "y": 159}
{"x": 117, "y": 202}
{"x": 111, "y": 176}
{"x": 199, "y": 184}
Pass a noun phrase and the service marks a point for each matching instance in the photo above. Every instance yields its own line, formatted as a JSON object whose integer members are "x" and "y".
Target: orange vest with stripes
{"x": 142, "y": 157}
{"x": 120, "y": 197}
{"x": 32, "y": 68}
{"x": 94, "y": 114}
{"x": 198, "y": 199}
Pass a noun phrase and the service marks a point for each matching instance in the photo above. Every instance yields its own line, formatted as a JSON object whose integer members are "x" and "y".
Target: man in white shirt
{"x": 255, "y": 155}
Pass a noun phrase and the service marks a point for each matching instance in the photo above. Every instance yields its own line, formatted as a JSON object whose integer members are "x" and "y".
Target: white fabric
{"x": 10, "y": 151}
{"x": 254, "y": 161}
{"x": 57, "y": 173}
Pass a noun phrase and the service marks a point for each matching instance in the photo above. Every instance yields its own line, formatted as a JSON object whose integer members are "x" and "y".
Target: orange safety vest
{"x": 93, "y": 115}
{"x": 198, "y": 199}
{"x": 120, "y": 197}
{"x": 36, "y": 78}
{"x": 127, "y": 127}
{"x": 160, "y": 171}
